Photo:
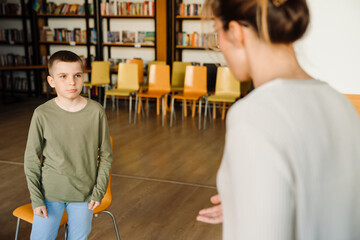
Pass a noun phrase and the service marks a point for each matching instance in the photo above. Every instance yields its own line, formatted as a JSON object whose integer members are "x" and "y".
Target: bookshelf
{"x": 128, "y": 30}
{"x": 193, "y": 38}
{"x": 19, "y": 68}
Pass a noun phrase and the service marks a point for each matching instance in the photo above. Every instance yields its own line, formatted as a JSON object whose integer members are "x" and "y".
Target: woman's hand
{"x": 93, "y": 204}
{"x": 41, "y": 211}
{"x": 212, "y": 215}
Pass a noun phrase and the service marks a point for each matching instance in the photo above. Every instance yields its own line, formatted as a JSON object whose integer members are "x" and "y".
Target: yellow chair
{"x": 127, "y": 84}
{"x": 227, "y": 91}
{"x": 159, "y": 87}
{"x": 100, "y": 75}
{"x": 178, "y": 75}
{"x": 26, "y": 213}
{"x": 194, "y": 89}
{"x": 140, "y": 64}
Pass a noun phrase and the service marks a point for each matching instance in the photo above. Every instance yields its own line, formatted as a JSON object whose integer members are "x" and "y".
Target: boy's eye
{"x": 62, "y": 76}
{"x": 78, "y": 75}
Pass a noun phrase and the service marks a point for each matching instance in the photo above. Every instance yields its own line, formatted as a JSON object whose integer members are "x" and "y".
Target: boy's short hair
{"x": 64, "y": 56}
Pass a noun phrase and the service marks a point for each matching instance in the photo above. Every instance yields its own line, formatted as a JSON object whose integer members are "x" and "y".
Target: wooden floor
{"x": 161, "y": 176}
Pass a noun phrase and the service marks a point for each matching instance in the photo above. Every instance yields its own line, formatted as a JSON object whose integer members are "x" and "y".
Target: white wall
{"x": 330, "y": 50}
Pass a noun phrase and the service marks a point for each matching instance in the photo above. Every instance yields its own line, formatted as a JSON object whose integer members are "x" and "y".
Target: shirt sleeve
{"x": 32, "y": 161}
{"x": 105, "y": 160}
{"x": 261, "y": 186}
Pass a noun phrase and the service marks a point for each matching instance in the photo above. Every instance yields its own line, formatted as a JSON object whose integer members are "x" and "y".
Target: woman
{"x": 291, "y": 163}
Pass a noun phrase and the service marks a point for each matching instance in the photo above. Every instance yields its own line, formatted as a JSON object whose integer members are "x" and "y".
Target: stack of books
{"x": 121, "y": 8}
{"x": 196, "y": 39}
{"x": 192, "y": 9}
{"x": 10, "y": 8}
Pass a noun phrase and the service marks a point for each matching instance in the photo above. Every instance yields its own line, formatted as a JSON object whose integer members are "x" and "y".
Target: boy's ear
{"x": 235, "y": 33}
{"x": 50, "y": 80}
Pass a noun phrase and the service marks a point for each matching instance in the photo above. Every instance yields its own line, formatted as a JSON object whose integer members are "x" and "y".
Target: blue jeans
{"x": 79, "y": 221}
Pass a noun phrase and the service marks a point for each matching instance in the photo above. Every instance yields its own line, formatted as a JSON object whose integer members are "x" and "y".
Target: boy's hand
{"x": 212, "y": 215}
{"x": 93, "y": 204}
{"x": 41, "y": 211}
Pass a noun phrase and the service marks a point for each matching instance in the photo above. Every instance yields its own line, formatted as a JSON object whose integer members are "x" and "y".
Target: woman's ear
{"x": 50, "y": 80}
{"x": 235, "y": 34}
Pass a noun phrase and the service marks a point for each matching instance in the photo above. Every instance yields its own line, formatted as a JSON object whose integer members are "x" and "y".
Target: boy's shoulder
{"x": 45, "y": 106}
{"x": 94, "y": 105}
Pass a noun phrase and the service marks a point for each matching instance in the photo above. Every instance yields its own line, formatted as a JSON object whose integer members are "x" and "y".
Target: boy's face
{"x": 67, "y": 78}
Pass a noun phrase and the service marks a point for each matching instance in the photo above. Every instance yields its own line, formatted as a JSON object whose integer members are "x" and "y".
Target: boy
{"x": 68, "y": 153}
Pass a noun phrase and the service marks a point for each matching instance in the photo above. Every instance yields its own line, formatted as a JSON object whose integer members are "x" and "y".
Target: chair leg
{"x": 172, "y": 111}
{"x": 200, "y": 114}
{"x": 205, "y": 113}
{"x": 214, "y": 110}
{"x": 104, "y": 101}
{"x": 130, "y": 102}
{"x": 89, "y": 92}
{"x": 185, "y": 109}
{"x": 114, "y": 222}
{"x": 148, "y": 107}
{"x": 66, "y": 226}
{"x": 17, "y": 229}
{"x": 223, "y": 111}
{"x": 163, "y": 110}
{"x": 157, "y": 106}
{"x": 193, "y": 107}
{"x": 136, "y": 108}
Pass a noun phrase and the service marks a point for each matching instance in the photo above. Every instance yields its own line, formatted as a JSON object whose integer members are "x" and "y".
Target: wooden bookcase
{"x": 19, "y": 78}
{"x": 188, "y": 37}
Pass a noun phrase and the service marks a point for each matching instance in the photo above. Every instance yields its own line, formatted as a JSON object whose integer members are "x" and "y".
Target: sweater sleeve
{"x": 261, "y": 186}
{"x": 32, "y": 161}
{"x": 105, "y": 160}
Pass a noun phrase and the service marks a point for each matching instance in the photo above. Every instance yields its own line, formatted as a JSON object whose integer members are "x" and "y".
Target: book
{"x": 141, "y": 36}
{"x": 149, "y": 38}
{"x": 128, "y": 37}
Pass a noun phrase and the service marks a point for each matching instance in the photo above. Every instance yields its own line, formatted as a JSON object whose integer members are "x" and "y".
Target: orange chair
{"x": 194, "y": 89}
{"x": 355, "y": 100}
{"x": 159, "y": 87}
{"x": 26, "y": 213}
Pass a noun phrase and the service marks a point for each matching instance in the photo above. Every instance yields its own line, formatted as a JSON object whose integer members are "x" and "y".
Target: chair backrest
{"x": 211, "y": 76}
{"x": 154, "y": 62}
{"x": 159, "y": 78}
{"x": 355, "y": 100}
{"x": 128, "y": 76}
{"x": 195, "y": 80}
{"x": 178, "y": 73}
{"x": 226, "y": 84}
{"x": 107, "y": 200}
{"x": 100, "y": 72}
{"x": 140, "y": 64}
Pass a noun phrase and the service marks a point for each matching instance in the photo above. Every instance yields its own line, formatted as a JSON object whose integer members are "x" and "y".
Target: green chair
{"x": 227, "y": 91}
{"x": 178, "y": 76}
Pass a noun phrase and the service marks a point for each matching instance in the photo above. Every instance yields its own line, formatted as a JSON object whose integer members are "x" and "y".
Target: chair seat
{"x": 222, "y": 98}
{"x": 176, "y": 89}
{"x": 190, "y": 96}
{"x": 120, "y": 92}
{"x": 26, "y": 213}
{"x": 88, "y": 84}
{"x": 153, "y": 94}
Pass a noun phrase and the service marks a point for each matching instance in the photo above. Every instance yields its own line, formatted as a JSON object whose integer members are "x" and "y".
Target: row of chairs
{"x": 188, "y": 83}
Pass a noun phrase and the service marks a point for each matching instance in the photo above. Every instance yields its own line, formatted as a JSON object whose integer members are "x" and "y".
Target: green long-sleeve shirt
{"x": 68, "y": 154}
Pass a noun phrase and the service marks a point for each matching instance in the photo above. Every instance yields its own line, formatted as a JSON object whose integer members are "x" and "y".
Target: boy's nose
{"x": 71, "y": 80}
